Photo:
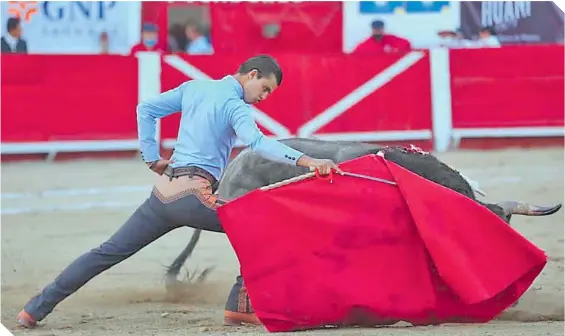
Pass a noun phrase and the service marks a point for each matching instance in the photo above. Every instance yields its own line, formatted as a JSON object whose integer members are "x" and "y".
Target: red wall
{"x": 55, "y": 97}
{"x": 62, "y": 97}
{"x": 513, "y": 87}
{"x": 236, "y": 27}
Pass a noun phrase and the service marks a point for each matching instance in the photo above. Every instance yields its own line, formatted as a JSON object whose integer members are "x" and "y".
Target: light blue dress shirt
{"x": 214, "y": 115}
{"x": 200, "y": 46}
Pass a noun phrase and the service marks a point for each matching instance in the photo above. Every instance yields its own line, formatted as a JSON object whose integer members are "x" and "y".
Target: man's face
{"x": 191, "y": 33}
{"x": 257, "y": 89}
{"x": 378, "y": 32}
{"x": 17, "y": 32}
{"x": 484, "y": 34}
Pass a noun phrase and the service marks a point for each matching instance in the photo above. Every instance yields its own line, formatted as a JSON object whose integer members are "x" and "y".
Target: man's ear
{"x": 253, "y": 74}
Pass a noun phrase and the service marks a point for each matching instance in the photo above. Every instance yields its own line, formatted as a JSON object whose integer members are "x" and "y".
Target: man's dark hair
{"x": 265, "y": 65}
{"x": 12, "y": 23}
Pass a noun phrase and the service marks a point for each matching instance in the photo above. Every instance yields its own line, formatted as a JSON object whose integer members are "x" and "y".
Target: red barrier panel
{"x": 347, "y": 94}
{"x": 237, "y": 27}
{"x": 507, "y": 87}
{"x": 64, "y": 97}
{"x": 306, "y": 27}
{"x": 386, "y": 98}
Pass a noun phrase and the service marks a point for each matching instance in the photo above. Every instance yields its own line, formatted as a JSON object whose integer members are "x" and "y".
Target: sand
{"x": 53, "y": 212}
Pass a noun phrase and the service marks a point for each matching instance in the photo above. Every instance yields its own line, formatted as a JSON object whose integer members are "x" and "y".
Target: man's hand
{"x": 159, "y": 166}
{"x": 324, "y": 166}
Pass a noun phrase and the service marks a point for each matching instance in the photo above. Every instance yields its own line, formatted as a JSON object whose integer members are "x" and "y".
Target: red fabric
{"x": 388, "y": 43}
{"x": 355, "y": 250}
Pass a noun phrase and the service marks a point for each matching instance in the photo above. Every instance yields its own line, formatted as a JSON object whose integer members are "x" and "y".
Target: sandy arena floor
{"x": 51, "y": 213}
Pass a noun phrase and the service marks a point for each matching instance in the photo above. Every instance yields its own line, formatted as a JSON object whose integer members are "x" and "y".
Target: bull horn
{"x": 521, "y": 208}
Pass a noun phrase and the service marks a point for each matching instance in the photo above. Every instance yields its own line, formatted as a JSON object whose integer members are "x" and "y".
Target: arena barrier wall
{"x": 433, "y": 98}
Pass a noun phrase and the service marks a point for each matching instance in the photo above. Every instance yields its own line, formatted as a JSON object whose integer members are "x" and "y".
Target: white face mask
{"x": 446, "y": 40}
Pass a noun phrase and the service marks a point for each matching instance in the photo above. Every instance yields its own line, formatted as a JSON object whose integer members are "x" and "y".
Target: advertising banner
{"x": 75, "y": 27}
{"x": 417, "y": 21}
{"x": 516, "y": 22}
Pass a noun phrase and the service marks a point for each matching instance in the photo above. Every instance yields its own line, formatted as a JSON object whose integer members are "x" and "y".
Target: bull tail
{"x": 526, "y": 209}
{"x": 174, "y": 269}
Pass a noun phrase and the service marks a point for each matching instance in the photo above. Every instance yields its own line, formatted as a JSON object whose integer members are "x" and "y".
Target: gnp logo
{"x": 23, "y": 9}
{"x": 59, "y": 11}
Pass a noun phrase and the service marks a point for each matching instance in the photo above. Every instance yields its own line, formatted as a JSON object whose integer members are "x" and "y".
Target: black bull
{"x": 249, "y": 171}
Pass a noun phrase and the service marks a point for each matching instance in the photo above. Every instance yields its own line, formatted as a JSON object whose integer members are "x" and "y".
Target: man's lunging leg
{"x": 238, "y": 307}
{"x": 145, "y": 226}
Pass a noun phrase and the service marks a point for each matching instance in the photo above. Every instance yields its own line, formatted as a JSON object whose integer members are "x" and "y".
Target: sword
{"x": 369, "y": 178}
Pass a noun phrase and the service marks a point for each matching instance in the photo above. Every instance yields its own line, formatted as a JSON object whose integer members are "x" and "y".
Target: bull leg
{"x": 174, "y": 269}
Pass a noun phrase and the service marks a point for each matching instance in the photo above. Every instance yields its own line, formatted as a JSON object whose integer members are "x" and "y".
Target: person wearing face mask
{"x": 104, "y": 43}
{"x": 381, "y": 42}
{"x": 453, "y": 39}
{"x": 149, "y": 39}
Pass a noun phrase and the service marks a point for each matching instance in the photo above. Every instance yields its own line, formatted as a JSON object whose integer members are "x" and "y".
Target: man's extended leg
{"x": 145, "y": 226}
{"x": 190, "y": 202}
{"x": 238, "y": 308}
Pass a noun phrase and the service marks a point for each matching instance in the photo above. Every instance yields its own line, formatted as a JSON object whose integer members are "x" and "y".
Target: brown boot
{"x": 25, "y": 320}
{"x": 238, "y": 319}
{"x": 238, "y": 309}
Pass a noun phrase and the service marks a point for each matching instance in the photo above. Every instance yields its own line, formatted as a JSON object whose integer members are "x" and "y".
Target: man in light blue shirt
{"x": 214, "y": 114}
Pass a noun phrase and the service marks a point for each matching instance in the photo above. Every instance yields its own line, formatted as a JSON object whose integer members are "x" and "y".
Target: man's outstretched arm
{"x": 246, "y": 129}
{"x": 148, "y": 112}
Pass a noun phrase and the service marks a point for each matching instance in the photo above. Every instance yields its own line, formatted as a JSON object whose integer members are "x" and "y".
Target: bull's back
{"x": 249, "y": 170}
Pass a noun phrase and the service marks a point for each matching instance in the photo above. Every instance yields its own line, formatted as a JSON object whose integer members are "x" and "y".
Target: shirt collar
{"x": 235, "y": 84}
{"x": 11, "y": 40}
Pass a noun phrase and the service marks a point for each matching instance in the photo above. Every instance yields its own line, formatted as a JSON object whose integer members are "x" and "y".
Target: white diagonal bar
{"x": 261, "y": 117}
{"x": 359, "y": 94}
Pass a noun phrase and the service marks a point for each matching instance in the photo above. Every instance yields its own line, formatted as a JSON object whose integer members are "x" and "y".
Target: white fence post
{"x": 441, "y": 98}
{"x": 149, "y": 80}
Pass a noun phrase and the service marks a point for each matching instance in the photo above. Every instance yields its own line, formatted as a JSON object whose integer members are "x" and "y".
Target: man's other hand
{"x": 159, "y": 166}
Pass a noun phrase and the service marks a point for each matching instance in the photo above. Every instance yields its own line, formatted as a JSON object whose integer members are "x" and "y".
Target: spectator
{"x": 104, "y": 43}
{"x": 198, "y": 43}
{"x": 149, "y": 39}
{"x": 13, "y": 42}
{"x": 380, "y": 41}
{"x": 453, "y": 39}
{"x": 177, "y": 40}
{"x": 487, "y": 38}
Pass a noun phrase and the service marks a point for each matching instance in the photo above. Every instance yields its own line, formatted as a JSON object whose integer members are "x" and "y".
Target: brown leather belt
{"x": 190, "y": 171}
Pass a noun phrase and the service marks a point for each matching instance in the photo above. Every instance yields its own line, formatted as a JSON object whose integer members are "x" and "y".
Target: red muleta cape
{"x": 356, "y": 251}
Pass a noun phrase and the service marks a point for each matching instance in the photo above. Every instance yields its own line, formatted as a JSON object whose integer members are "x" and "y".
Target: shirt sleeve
{"x": 246, "y": 129}
{"x": 148, "y": 112}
